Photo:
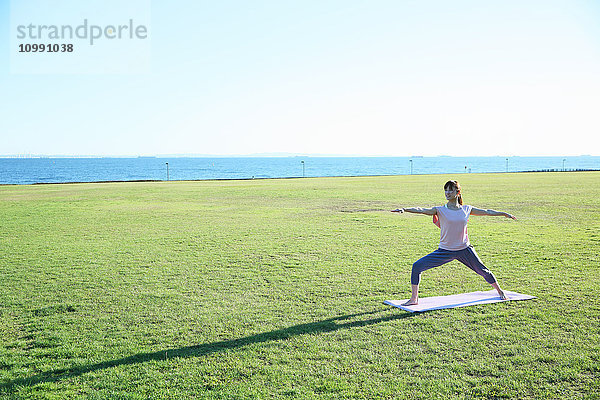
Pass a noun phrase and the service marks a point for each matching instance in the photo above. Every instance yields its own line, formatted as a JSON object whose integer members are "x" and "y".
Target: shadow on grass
{"x": 328, "y": 325}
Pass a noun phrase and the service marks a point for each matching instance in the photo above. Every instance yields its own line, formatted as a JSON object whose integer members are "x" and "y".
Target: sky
{"x": 320, "y": 77}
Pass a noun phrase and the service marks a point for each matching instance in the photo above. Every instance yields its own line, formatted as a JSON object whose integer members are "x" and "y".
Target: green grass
{"x": 274, "y": 288}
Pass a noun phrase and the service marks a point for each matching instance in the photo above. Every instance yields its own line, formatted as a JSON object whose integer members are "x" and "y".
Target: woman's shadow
{"x": 325, "y": 326}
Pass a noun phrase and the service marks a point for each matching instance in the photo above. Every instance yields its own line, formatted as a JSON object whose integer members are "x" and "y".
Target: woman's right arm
{"x": 417, "y": 210}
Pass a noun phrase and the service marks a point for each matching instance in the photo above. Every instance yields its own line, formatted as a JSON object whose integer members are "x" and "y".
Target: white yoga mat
{"x": 457, "y": 300}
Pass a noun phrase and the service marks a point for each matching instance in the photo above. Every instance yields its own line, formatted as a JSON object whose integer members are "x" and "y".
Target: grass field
{"x": 275, "y": 288}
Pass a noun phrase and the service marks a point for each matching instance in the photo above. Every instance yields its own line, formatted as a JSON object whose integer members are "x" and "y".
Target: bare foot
{"x": 411, "y": 302}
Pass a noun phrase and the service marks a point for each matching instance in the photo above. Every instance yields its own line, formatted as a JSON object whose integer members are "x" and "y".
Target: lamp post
{"x": 167, "y": 171}
{"x": 411, "y": 164}
{"x": 507, "y": 165}
{"x": 303, "y": 174}
{"x": 564, "y": 159}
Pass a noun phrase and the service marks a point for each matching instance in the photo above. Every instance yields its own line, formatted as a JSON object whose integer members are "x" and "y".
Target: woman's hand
{"x": 510, "y": 216}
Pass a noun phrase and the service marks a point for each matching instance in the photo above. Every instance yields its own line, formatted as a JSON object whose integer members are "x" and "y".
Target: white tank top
{"x": 453, "y": 224}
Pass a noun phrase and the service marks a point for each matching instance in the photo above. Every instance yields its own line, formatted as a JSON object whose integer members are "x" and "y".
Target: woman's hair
{"x": 450, "y": 185}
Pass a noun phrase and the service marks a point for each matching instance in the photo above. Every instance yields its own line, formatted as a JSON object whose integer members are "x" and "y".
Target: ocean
{"x": 22, "y": 171}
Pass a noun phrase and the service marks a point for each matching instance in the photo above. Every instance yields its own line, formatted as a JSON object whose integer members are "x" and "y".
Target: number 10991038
{"x": 45, "y": 48}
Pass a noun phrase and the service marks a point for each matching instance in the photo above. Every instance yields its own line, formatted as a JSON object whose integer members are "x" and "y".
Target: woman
{"x": 454, "y": 240}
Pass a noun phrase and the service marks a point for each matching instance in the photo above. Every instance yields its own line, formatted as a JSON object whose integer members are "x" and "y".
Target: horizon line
{"x": 269, "y": 155}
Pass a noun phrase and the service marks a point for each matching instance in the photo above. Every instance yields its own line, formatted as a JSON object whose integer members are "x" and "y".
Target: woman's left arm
{"x": 479, "y": 211}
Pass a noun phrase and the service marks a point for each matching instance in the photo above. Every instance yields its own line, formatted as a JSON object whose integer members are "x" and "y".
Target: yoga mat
{"x": 458, "y": 300}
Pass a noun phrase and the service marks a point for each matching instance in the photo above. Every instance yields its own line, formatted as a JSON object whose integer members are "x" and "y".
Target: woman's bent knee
{"x": 415, "y": 276}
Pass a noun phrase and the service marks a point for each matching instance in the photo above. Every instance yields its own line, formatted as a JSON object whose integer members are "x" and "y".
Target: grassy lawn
{"x": 275, "y": 288}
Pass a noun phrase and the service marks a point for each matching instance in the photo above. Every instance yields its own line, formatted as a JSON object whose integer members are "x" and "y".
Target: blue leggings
{"x": 440, "y": 256}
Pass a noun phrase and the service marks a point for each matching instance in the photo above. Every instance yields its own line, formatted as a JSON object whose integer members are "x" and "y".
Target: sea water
{"x": 61, "y": 170}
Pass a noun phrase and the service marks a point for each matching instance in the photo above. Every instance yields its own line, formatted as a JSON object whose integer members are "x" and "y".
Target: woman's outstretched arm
{"x": 479, "y": 211}
{"x": 417, "y": 210}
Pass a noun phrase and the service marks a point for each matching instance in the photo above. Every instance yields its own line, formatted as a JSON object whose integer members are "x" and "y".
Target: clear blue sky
{"x": 395, "y": 78}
